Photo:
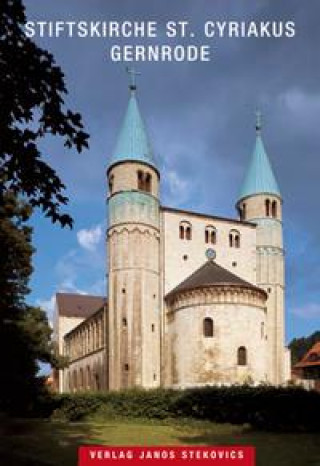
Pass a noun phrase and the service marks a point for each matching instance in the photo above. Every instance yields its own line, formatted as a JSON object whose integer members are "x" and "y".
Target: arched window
{"x": 88, "y": 378}
{"x": 242, "y": 356}
{"x": 210, "y": 235}
{"x": 208, "y": 327}
{"x": 148, "y": 183}
{"x": 97, "y": 377}
{"x": 75, "y": 381}
{"x": 81, "y": 381}
{"x": 111, "y": 182}
{"x": 274, "y": 209}
{"x": 231, "y": 240}
{"x": 96, "y": 326}
{"x": 206, "y": 236}
{"x": 181, "y": 232}
{"x": 234, "y": 239}
{"x": 268, "y": 207}
{"x": 185, "y": 230}
{"x": 140, "y": 180}
{"x": 144, "y": 181}
{"x": 237, "y": 241}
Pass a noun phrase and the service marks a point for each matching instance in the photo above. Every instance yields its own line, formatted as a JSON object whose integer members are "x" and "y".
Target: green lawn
{"x": 47, "y": 443}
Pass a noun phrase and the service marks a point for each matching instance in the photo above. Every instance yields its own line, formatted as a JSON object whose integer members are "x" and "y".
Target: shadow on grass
{"x": 276, "y": 449}
{"x": 47, "y": 443}
{"x": 41, "y": 443}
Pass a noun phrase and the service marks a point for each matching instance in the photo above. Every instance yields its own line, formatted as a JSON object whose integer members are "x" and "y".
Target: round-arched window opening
{"x": 208, "y": 327}
{"x": 242, "y": 356}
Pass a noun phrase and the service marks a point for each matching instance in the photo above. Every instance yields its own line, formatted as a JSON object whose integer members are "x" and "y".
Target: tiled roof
{"x": 311, "y": 358}
{"x": 78, "y": 305}
{"x": 212, "y": 274}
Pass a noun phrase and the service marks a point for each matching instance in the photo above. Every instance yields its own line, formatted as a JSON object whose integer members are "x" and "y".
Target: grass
{"x": 48, "y": 443}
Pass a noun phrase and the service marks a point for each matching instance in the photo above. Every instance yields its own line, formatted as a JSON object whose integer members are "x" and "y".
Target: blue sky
{"x": 200, "y": 118}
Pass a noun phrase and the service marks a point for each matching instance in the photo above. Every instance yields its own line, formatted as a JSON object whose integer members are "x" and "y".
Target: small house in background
{"x": 307, "y": 371}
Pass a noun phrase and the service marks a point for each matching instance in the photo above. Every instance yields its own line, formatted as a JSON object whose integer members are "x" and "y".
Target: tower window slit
{"x": 148, "y": 183}
{"x": 242, "y": 356}
{"x": 268, "y": 207}
{"x": 111, "y": 182}
{"x": 208, "y": 328}
{"x": 140, "y": 180}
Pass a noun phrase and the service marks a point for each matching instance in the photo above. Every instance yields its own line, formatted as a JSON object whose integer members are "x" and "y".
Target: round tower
{"x": 260, "y": 202}
{"x": 133, "y": 241}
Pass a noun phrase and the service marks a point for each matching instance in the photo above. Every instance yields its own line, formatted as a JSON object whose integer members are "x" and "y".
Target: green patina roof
{"x": 133, "y": 143}
{"x": 259, "y": 178}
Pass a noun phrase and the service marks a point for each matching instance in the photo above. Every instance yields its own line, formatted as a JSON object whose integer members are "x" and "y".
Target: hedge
{"x": 264, "y": 407}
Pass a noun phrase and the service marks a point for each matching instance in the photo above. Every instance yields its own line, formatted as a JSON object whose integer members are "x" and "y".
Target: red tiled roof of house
{"x": 311, "y": 358}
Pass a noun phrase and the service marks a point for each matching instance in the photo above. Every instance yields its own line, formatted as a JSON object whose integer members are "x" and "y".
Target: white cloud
{"x": 309, "y": 311}
{"x": 90, "y": 238}
{"x": 81, "y": 270}
{"x": 301, "y": 104}
{"x": 178, "y": 189}
{"x": 47, "y": 305}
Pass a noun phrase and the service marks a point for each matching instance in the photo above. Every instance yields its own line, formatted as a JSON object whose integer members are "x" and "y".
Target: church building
{"x": 193, "y": 299}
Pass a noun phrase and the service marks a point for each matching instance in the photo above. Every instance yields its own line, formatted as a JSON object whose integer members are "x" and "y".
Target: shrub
{"x": 264, "y": 407}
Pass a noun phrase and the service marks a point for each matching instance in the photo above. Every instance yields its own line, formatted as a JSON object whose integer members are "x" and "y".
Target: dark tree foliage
{"x": 32, "y": 92}
{"x": 25, "y": 334}
{"x": 300, "y": 346}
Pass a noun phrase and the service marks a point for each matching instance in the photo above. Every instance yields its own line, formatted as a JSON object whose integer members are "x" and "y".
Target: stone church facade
{"x": 193, "y": 299}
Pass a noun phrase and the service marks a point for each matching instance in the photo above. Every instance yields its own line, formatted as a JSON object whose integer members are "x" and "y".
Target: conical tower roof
{"x": 133, "y": 143}
{"x": 259, "y": 178}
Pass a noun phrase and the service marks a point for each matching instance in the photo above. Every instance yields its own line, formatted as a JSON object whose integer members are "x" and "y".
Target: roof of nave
{"x": 78, "y": 305}
{"x": 311, "y": 358}
{"x": 259, "y": 178}
{"x": 208, "y": 216}
{"x": 133, "y": 143}
{"x": 212, "y": 274}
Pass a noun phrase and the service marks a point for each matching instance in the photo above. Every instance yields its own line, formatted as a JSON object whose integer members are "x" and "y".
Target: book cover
{"x": 160, "y": 294}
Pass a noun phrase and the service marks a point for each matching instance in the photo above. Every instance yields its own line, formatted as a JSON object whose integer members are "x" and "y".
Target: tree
{"x": 25, "y": 334}
{"x": 32, "y": 92}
